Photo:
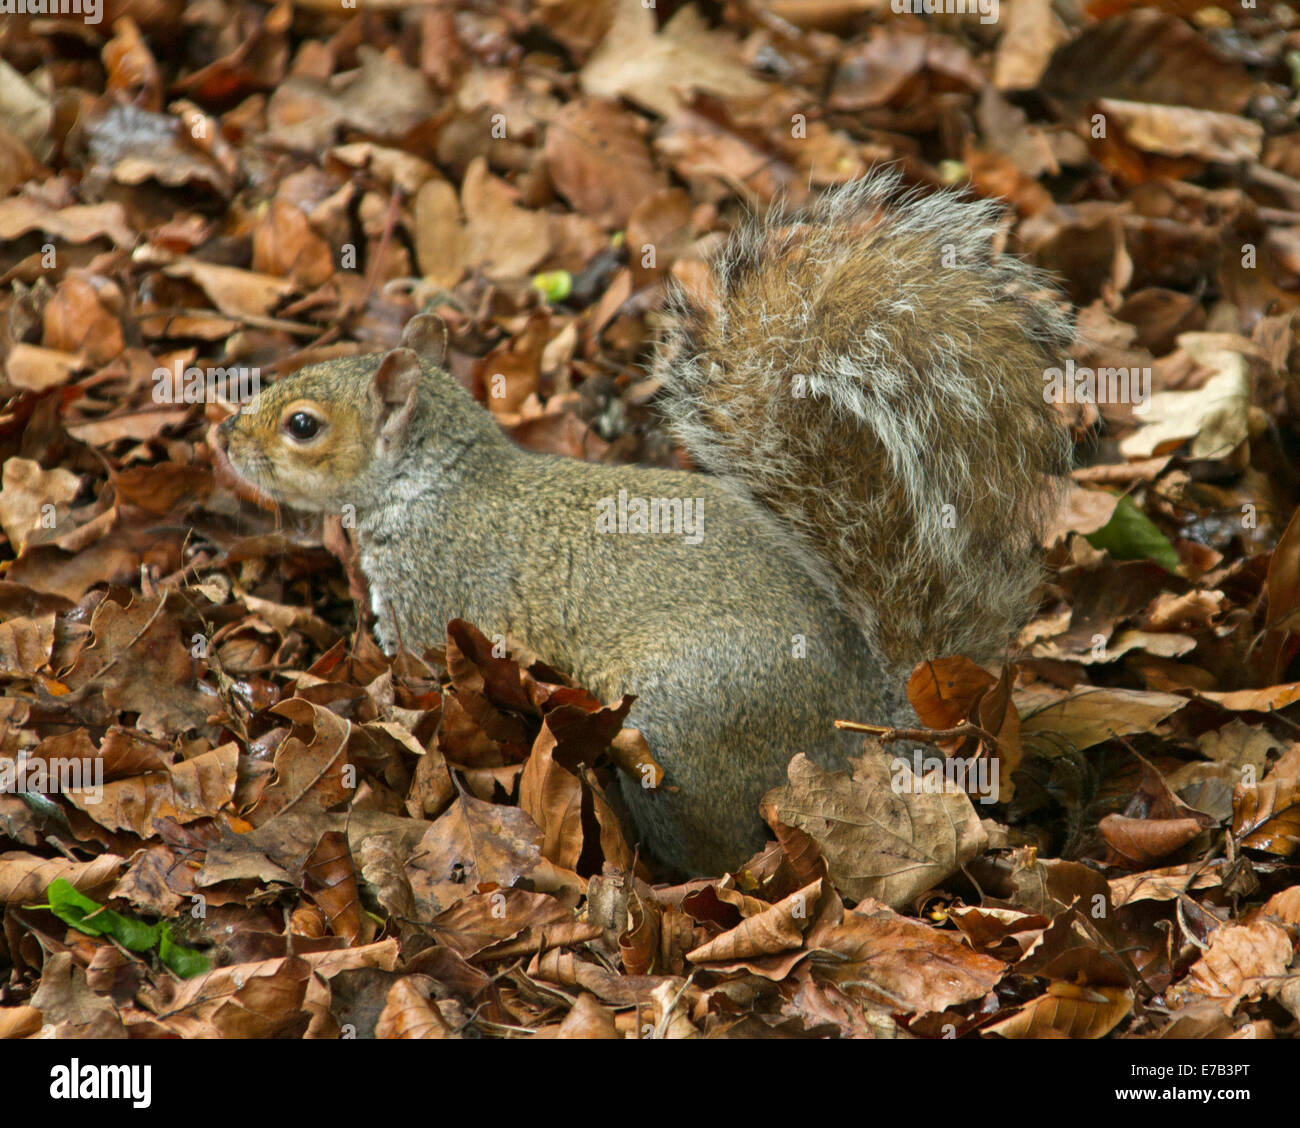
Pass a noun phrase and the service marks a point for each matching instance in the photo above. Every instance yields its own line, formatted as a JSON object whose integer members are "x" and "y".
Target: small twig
{"x": 252, "y": 320}
{"x": 1279, "y": 216}
{"x": 177, "y": 579}
{"x": 888, "y": 735}
{"x": 1279, "y": 182}
{"x": 293, "y": 361}
{"x": 390, "y": 224}
{"x": 661, "y": 1027}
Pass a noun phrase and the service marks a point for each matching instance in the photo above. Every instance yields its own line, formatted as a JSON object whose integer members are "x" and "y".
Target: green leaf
{"x": 185, "y": 962}
{"x": 73, "y": 907}
{"x": 80, "y": 912}
{"x": 1131, "y": 535}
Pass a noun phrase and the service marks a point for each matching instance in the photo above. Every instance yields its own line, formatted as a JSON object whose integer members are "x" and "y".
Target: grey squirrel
{"x": 863, "y": 385}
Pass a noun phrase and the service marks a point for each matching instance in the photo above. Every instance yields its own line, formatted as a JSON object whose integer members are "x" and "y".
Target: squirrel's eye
{"x": 302, "y": 425}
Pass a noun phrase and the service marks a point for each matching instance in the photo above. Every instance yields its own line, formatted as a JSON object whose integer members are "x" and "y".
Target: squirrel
{"x": 862, "y": 385}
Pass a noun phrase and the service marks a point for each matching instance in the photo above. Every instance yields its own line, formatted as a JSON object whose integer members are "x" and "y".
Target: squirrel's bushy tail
{"x": 873, "y": 375}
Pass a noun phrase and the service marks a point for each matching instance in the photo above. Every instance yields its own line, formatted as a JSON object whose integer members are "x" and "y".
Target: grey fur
{"x": 821, "y": 519}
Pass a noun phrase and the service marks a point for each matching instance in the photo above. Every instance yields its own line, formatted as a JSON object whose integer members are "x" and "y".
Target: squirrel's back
{"x": 872, "y": 374}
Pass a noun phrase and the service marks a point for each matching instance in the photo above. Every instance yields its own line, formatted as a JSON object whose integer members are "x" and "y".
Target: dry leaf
{"x": 879, "y": 841}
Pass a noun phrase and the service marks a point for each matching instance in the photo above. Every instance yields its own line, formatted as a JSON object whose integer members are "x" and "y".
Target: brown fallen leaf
{"x": 1242, "y": 962}
{"x": 310, "y": 764}
{"x": 442, "y": 244}
{"x": 257, "y": 1000}
{"x": 777, "y": 928}
{"x": 655, "y": 938}
{"x": 553, "y": 798}
{"x": 504, "y": 239}
{"x": 286, "y": 246}
{"x": 33, "y": 498}
{"x": 1067, "y": 1011}
{"x": 481, "y": 921}
{"x": 1266, "y": 815}
{"x": 69, "y": 1007}
{"x": 598, "y": 159}
{"x": 588, "y": 1019}
{"x": 132, "y": 145}
{"x": 1165, "y": 884}
{"x": 1076, "y": 898}
{"x": 699, "y": 148}
{"x": 25, "y": 877}
{"x": 140, "y": 424}
{"x": 1239, "y": 745}
{"x": 472, "y": 843}
{"x": 35, "y": 369}
{"x": 567, "y": 969}
{"x": 157, "y": 881}
{"x": 78, "y": 320}
{"x": 26, "y": 645}
{"x": 138, "y": 663}
{"x": 193, "y": 789}
{"x": 160, "y": 489}
{"x": 671, "y": 1012}
{"x": 115, "y": 558}
{"x": 236, "y": 293}
{"x": 1087, "y": 716}
{"x": 131, "y": 66}
{"x": 1214, "y": 417}
{"x": 1033, "y": 31}
{"x": 658, "y": 68}
{"x": 1084, "y": 511}
{"x": 1194, "y": 610}
{"x": 20, "y": 1022}
{"x": 883, "y": 832}
{"x": 1282, "y": 585}
{"x": 331, "y": 881}
{"x": 555, "y": 794}
{"x": 1284, "y": 905}
{"x": 943, "y": 690}
{"x": 1139, "y": 842}
{"x": 76, "y": 224}
{"x": 1146, "y": 55}
{"x": 1179, "y": 131}
{"x": 409, "y": 1013}
{"x": 1265, "y": 700}
{"x": 1002, "y": 933}
{"x": 906, "y": 965}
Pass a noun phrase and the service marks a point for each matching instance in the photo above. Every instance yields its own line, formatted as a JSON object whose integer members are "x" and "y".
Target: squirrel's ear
{"x": 394, "y": 390}
{"x": 426, "y": 335}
